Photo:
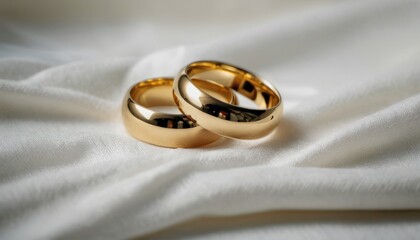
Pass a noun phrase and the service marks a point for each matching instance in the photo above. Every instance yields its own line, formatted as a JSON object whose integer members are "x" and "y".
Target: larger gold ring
{"x": 223, "y": 118}
{"x": 164, "y": 129}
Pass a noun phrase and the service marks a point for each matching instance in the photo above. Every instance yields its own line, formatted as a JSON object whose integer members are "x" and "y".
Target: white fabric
{"x": 349, "y": 73}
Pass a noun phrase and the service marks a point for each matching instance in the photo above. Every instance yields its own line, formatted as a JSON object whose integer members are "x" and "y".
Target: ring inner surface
{"x": 153, "y": 93}
{"x": 242, "y": 81}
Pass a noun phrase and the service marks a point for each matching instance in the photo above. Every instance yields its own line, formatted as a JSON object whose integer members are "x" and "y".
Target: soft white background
{"x": 349, "y": 73}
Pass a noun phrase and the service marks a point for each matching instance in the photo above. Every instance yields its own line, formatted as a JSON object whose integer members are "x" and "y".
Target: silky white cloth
{"x": 349, "y": 74}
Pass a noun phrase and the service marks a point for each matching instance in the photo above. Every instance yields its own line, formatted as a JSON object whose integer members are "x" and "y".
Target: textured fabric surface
{"x": 349, "y": 74}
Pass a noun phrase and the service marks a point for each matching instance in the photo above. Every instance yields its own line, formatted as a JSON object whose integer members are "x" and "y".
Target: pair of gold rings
{"x": 204, "y": 92}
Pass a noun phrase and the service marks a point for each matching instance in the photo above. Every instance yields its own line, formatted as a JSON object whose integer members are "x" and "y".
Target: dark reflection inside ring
{"x": 174, "y": 122}
{"x": 229, "y": 114}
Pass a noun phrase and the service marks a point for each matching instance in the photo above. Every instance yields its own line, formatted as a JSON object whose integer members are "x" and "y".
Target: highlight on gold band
{"x": 223, "y": 118}
{"x": 165, "y": 129}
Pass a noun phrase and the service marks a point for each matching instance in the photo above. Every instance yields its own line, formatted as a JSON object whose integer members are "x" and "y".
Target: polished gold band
{"x": 223, "y": 118}
{"x": 162, "y": 129}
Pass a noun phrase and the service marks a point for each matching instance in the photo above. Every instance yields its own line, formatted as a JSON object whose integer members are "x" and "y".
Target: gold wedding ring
{"x": 223, "y": 118}
{"x": 164, "y": 129}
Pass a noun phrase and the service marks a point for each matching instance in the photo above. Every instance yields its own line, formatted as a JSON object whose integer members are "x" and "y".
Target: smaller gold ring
{"x": 223, "y": 118}
{"x": 164, "y": 129}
